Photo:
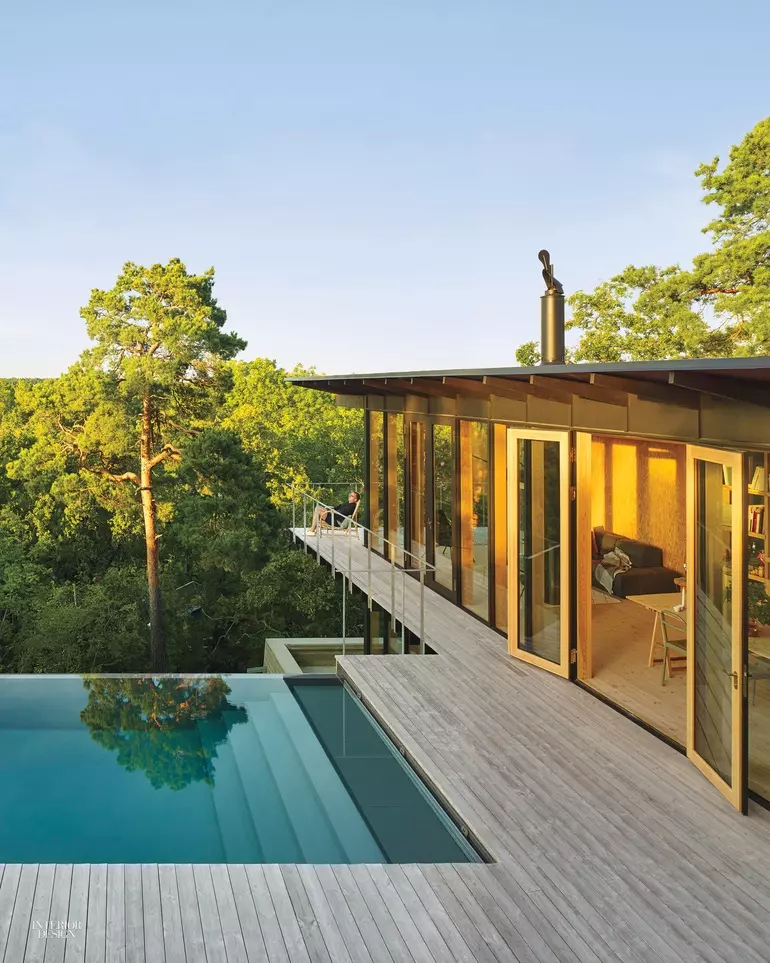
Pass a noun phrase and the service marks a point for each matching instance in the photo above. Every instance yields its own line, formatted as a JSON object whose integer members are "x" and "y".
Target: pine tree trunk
{"x": 157, "y": 638}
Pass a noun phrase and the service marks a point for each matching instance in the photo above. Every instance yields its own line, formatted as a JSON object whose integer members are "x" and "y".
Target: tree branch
{"x": 176, "y": 427}
{"x": 168, "y": 451}
{"x": 721, "y": 291}
{"x": 119, "y": 479}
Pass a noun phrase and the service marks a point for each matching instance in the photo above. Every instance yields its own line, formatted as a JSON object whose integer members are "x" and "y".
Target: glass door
{"x": 538, "y": 548}
{"x": 716, "y": 538}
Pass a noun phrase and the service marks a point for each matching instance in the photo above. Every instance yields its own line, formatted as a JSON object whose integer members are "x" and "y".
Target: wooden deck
{"x": 608, "y": 844}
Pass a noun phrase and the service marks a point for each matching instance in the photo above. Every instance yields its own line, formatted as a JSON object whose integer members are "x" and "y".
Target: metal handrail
{"x": 423, "y": 567}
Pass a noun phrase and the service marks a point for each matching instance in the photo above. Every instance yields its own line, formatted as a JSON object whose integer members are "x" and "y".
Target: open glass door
{"x": 716, "y": 536}
{"x": 538, "y": 548}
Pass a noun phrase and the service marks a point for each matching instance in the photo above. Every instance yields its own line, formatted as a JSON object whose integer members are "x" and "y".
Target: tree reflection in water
{"x": 153, "y": 725}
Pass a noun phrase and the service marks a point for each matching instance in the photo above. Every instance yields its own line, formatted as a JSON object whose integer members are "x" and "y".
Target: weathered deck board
{"x": 192, "y": 928}
{"x": 132, "y": 879}
{"x": 115, "y": 949}
{"x": 173, "y": 937}
{"x": 60, "y": 901}
{"x": 609, "y": 845}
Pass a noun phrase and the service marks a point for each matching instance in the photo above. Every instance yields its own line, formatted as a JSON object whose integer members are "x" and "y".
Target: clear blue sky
{"x": 371, "y": 179}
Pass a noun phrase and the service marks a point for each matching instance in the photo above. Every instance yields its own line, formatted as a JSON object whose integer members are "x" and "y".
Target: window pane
{"x": 416, "y": 493}
{"x": 758, "y": 604}
{"x": 376, "y": 493}
{"x": 443, "y": 496}
{"x": 474, "y": 516}
{"x": 396, "y": 487}
{"x": 540, "y": 549}
{"x": 713, "y": 621}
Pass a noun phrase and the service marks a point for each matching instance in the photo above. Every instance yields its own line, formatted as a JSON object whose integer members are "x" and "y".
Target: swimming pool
{"x": 192, "y": 769}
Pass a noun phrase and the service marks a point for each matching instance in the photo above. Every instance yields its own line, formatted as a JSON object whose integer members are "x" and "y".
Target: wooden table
{"x": 657, "y": 604}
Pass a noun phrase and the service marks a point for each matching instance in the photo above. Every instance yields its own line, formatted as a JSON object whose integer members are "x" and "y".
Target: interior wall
{"x": 639, "y": 491}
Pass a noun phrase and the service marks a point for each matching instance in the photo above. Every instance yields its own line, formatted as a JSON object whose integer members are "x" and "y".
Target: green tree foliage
{"x": 300, "y": 437}
{"x": 528, "y": 354}
{"x": 157, "y": 366}
{"x": 73, "y": 580}
{"x": 720, "y": 306}
{"x": 154, "y": 725}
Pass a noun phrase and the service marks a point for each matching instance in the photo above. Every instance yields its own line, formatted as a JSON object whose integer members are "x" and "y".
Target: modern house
{"x": 515, "y": 487}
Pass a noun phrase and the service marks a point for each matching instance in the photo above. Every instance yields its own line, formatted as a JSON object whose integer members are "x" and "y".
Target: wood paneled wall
{"x": 639, "y": 490}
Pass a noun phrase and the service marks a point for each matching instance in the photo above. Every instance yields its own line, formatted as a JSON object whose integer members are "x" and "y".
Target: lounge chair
{"x": 347, "y": 525}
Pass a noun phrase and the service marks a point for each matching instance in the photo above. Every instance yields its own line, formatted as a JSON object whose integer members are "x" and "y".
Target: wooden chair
{"x": 672, "y": 622}
{"x": 348, "y": 525}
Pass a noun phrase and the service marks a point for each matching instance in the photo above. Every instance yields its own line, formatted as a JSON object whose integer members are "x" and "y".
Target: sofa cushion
{"x": 644, "y": 581}
{"x": 607, "y": 540}
{"x": 641, "y": 554}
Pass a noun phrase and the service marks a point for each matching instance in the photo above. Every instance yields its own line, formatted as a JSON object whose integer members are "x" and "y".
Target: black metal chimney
{"x": 551, "y": 315}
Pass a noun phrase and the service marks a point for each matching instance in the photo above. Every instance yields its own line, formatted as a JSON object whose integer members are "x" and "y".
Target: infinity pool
{"x": 234, "y": 768}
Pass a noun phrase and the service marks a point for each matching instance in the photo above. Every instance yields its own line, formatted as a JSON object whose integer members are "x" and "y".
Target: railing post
{"x": 369, "y": 575}
{"x": 293, "y": 515}
{"x": 318, "y": 534}
{"x": 334, "y": 567}
{"x": 344, "y": 629}
{"x": 393, "y": 594}
{"x": 422, "y": 610}
{"x": 304, "y": 520}
{"x": 403, "y": 611}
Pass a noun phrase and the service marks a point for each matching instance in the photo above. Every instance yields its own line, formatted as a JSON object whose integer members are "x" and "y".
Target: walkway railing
{"x": 303, "y": 507}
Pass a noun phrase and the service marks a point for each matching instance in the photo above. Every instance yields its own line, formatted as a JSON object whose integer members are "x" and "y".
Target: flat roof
{"x": 756, "y": 369}
{"x": 677, "y": 380}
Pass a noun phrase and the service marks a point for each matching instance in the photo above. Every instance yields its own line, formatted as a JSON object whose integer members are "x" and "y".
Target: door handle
{"x": 734, "y": 676}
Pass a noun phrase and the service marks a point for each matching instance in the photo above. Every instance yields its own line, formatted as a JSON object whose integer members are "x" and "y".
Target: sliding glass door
{"x": 538, "y": 548}
{"x": 716, "y": 685}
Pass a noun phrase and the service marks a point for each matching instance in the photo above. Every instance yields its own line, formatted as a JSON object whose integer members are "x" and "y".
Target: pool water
{"x": 235, "y": 768}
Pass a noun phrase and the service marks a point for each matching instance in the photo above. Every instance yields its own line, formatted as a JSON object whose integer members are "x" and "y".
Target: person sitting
{"x": 322, "y": 514}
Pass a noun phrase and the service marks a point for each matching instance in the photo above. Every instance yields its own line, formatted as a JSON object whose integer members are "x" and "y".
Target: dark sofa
{"x": 647, "y": 575}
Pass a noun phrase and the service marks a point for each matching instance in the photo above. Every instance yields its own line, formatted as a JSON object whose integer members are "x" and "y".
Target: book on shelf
{"x": 757, "y": 519}
{"x": 758, "y": 479}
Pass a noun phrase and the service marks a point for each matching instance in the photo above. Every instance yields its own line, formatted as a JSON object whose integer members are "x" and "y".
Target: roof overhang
{"x": 680, "y": 382}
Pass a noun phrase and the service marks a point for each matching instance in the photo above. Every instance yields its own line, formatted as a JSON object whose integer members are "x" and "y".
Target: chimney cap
{"x": 552, "y": 286}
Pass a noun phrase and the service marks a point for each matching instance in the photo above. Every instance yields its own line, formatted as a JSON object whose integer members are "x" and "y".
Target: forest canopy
{"x": 145, "y": 494}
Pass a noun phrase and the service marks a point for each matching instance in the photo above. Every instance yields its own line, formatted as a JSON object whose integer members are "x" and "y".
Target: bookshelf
{"x": 758, "y": 497}
{"x": 758, "y": 500}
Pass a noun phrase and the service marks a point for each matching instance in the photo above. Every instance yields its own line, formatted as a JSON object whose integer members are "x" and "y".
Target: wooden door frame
{"x": 736, "y": 792}
{"x": 583, "y": 573}
{"x": 563, "y": 437}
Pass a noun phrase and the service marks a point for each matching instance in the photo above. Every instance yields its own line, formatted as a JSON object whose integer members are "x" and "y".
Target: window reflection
{"x": 712, "y": 649}
{"x": 443, "y": 496}
{"x": 416, "y": 493}
{"x": 758, "y": 611}
{"x": 540, "y": 525}
{"x": 474, "y": 516}
{"x": 395, "y": 425}
{"x": 375, "y": 497}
